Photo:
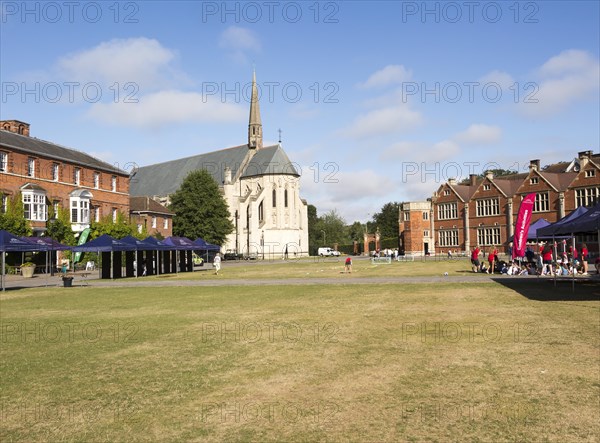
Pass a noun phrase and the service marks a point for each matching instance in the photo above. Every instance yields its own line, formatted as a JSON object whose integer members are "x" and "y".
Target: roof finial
{"x": 279, "y": 130}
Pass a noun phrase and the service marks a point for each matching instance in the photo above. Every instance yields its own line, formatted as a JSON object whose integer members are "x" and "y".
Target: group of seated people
{"x": 560, "y": 267}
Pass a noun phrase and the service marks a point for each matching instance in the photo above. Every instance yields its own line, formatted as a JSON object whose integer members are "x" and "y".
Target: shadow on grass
{"x": 544, "y": 289}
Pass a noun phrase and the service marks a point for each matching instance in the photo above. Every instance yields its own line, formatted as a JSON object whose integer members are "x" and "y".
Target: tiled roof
{"x": 43, "y": 148}
{"x": 146, "y": 204}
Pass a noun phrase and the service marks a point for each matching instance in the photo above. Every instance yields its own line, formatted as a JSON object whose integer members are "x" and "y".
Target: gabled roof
{"x": 35, "y": 146}
{"x": 509, "y": 184}
{"x": 560, "y": 181}
{"x": 146, "y": 204}
{"x": 463, "y": 191}
{"x": 166, "y": 178}
{"x": 270, "y": 160}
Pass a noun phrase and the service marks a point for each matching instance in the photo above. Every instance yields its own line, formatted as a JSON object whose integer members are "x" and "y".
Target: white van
{"x": 328, "y": 252}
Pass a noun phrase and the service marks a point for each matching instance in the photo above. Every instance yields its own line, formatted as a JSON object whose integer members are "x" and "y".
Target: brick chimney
{"x": 473, "y": 179}
{"x": 452, "y": 181}
{"x": 534, "y": 165}
{"x": 584, "y": 157}
{"x": 15, "y": 126}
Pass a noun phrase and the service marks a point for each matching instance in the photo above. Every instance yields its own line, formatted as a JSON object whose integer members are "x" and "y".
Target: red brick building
{"x": 483, "y": 211}
{"x": 416, "y": 228}
{"x": 151, "y": 215}
{"x": 47, "y": 176}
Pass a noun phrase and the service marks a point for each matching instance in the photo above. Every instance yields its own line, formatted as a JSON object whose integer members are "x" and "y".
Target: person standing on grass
{"x": 547, "y": 259}
{"x": 492, "y": 259}
{"x": 348, "y": 267}
{"x": 475, "y": 258}
{"x": 584, "y": 258}
{"x": 217, "y": 263}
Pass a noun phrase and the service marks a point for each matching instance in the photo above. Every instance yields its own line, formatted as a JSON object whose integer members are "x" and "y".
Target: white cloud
{"x": 142, "y": 61}
{"x": 384, "y": 121}
{"x": 567, "y": 78}
{"x": 167, "y": 107}
{"x": 239, "y": 42}
{"x": 500, "y": 77}
{"x": 479, "y": 134}
{"x": 391, "y": 74}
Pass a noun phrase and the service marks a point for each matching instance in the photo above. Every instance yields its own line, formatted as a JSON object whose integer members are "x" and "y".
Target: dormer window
{"x": 534, "y": 181}
{"x": 590, "y": 173}
{"x": 487, "y": 187}
{"x": 446, "y": 192}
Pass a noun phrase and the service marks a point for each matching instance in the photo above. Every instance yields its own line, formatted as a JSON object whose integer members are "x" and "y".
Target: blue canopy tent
{"x": 148, "y": 265}
{"x": 12, "y": 243}
{"x": 163, "y": 254}
{"x": 184, "y": 246}
{"x": 205, "y": 248}
{"x": 106, "y": 245}
{"x": 552, "y": 229}
{"x": 48, "y": 245}
{"x": 533, "y": 233}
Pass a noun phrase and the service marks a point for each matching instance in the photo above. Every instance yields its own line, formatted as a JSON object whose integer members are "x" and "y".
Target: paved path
{"x": 14, "y": 282}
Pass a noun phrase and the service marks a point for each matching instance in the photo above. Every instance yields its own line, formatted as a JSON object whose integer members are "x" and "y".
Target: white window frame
{"x": 4, "y": 204}
{"x": 488, "y": 236}
{"x": 542, "y": 202}
{"x": 487, "y": 187}
{"x": 448, "y": 237}
{"x": 96, "y": 180}
{"x": 55, "y": 172}
{"x": 425, "y": 233}
{"x": 425, "y": 215}
{"x": 587, "y": 197}
{"x": 80, "y": 210}
{"x": 447, "y": 211}
{"x": 139, "y": 228}
{"x": 34, "y": 205}
{"x": 114, "y": 215}
{"x": 97, "y": 214}
{"x": 534, "y": 180}
{"x": 154, "y": 222}
{"x": 166, "y": 223}
{"x": 3, "y": 161}
{"x": 113, "y": 183}
{"x": 589, "y": 173}
{"x": 77, "y": 176}
{"x": 488, "y": 207}
{"x": 31, "y": 167}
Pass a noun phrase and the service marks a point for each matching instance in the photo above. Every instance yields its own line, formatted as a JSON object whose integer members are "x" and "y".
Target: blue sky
{"x": 377, "y": 101}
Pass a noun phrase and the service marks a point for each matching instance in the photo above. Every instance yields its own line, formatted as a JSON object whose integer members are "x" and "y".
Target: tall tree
{"x": 13, "y": 220}
{"x": 387, "y": 220}
{"x": 200, "y": 210}
{"x": 331, "y": 228}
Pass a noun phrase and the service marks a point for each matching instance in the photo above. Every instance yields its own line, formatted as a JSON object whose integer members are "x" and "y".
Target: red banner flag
{"x": 522, "y": 227}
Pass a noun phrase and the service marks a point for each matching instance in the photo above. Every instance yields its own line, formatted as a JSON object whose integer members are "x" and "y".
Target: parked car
{"x": 231, "y": 254}
{"x": 328, "y": 252}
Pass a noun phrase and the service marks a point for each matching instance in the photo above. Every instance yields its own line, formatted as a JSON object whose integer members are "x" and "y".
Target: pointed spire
{"x": 255, "y": 139}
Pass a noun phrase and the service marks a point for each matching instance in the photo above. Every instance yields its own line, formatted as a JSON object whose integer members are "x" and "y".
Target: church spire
{"x": 255, "y": 139}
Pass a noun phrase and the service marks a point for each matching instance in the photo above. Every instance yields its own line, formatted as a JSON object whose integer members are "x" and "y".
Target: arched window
{"x": 285, "y": 198}
{"x": 274, "y": 198}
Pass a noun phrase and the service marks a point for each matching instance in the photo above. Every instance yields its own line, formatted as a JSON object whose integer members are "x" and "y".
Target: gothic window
{"x": 285, "y": 198}
{"x": 260, "y": 212}
{"x": 274, "y": 198}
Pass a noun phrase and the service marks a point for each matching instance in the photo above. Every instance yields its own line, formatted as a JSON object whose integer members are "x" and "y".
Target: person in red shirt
{"x": 348, "y": 265}
{"x": 547, "y": 259}
{"x": 475, "y": 258}
{"x": 492, "y": 259}
{"x": 584, "y": 258}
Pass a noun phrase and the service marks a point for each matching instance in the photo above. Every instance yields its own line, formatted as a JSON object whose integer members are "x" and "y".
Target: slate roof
{"x": 165, "y": 178}
{"x": 47, "y": 149}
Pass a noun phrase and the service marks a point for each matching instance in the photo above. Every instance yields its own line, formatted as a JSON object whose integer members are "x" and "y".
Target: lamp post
{"x": 323, "y": 237}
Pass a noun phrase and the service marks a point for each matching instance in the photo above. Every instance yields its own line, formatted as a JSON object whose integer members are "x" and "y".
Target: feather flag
{"x": 522, "y": 227}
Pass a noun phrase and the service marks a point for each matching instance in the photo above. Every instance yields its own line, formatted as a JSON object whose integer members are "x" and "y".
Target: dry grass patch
{"x": 299, "y": 363}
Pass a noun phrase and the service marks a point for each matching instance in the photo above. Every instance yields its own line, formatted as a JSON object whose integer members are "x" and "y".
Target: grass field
{"x": 385, "y": 362}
